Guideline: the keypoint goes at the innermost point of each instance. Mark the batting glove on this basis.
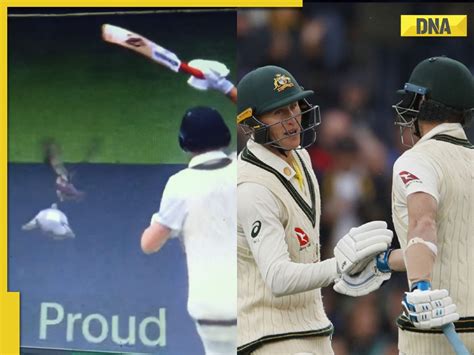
(375, 273)
(365, 282)
(356, 249)
(214, 76)
(428, 308)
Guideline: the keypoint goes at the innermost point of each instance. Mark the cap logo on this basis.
(282, 82)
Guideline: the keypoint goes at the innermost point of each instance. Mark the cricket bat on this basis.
(147, 48)
(458, 346)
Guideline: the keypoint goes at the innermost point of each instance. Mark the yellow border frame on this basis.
(151, 3)
(10, 301)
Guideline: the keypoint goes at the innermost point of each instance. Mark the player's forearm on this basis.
(420, 253)
(421, 249)
(423, 227)
(396, 261)
(154, 237)
(287, 278)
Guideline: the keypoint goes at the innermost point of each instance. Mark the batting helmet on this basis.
(203, 129)
(266, 89)
(439, 89)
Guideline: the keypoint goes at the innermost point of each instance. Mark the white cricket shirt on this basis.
(441, 164)
(279, 267)
(200, 205)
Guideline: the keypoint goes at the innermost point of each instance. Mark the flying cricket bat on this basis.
(139, 44)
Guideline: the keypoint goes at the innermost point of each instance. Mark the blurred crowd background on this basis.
(354, 59)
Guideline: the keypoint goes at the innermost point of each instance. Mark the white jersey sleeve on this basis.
(265, 235)
(414, 173)
(172, 211)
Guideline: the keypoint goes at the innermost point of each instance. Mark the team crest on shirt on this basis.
(302, 237)
(282, 82)
(408, 177)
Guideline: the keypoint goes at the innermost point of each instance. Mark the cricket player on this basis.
(433, 210)
(433, 206)
(280, 272)
(199, 205)
(51, 221)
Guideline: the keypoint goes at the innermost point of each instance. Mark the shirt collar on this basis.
(205, 157)
(271, 159)
(451, 129)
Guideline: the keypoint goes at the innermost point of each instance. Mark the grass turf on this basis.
(103, 103)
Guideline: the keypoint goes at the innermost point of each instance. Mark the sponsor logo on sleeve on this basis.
(256, 226)
(408, 177)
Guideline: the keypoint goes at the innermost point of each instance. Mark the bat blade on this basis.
(125, 38)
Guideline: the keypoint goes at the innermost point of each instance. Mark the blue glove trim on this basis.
(421, 285)
(382, 261)
(408, 309)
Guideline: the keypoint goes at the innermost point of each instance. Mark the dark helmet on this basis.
(439, 89)
(203, 129)
(266, 89)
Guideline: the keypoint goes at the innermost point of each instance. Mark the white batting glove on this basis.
(214, 76)
(428, 308)
(356, 248)
(375, 273)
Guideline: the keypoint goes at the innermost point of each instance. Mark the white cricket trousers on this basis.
(218, 339)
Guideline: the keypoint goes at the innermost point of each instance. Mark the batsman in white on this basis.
(199, 206)
(280, 272)
(51, 221)
(433, 205)
(433, 210)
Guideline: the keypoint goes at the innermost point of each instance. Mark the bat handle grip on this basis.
(458, 346)
(184, 67)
